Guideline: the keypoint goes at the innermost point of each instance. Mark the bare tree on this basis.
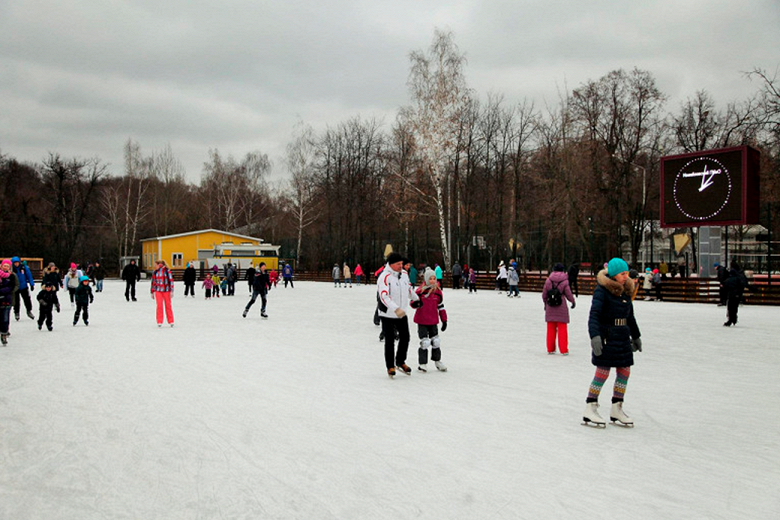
(301, 191)
(439, 95)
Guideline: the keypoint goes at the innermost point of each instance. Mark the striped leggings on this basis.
(602, 373)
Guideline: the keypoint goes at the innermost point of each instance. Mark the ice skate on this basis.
(391, 372)
(618, 417)
(40, 326)
(263, 315)
(246, 311)
(591, 417)
(405, 369)
(422, 368)
(16, 315)
(4, 338)
(441, 367)
(30, 315)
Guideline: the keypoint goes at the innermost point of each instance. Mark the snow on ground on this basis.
(294, 416)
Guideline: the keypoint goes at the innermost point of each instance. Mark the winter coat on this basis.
(249, 276)
(735, 284)
(432, 307)
(23, 274)
(52, 275)
(456, 270)
(131, 273)
(395, 291)
(287, 271)
(99, 272)
(612, 318)
(261, 282)
(647, 280)
(722, 273)
(190, 276)
(501, 273)
(273, 276)
(208, 283)
(358, 270)
(162, 280)
(413, 275)
(72, 278)
(472, 278)
(336, 273)
(559, 314)
(513, 277)
(438, 272)
(84, 294)
(47, 299)
(347, 272)
(8, 287)
(573, 273)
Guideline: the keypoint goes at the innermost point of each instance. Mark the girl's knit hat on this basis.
(6, 261)
(73, 266)
(616, 266)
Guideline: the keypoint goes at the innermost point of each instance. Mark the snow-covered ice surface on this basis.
(295, 417)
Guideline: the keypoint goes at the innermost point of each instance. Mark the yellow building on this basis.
(207, 248)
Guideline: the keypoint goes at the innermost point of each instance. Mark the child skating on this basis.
(430, 308)
(208, 285)
(83, 297)
(614, 337)
(47, 303)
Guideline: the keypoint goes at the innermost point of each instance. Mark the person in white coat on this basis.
(501, 278)
(395, 293)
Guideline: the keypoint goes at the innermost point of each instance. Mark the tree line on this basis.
(456, 176)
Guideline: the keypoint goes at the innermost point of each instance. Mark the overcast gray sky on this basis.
(80, 77)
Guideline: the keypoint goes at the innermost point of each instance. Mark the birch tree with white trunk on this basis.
(439, 96)
(301, 193)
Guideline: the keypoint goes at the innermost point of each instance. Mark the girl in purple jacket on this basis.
(557, 317)
(430, 307)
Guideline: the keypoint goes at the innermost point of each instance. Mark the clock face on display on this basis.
(703, 189)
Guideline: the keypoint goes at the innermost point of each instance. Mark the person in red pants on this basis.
(162, 292)
(556, 313)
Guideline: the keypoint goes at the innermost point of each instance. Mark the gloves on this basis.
(400, 312)
(443, 326)
(595, 344)
(152, 295)
(573, 304)
(416, 304)
(636, 345)
(58, 308)
(32, 288)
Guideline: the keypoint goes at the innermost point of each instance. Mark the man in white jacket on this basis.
(395, 292)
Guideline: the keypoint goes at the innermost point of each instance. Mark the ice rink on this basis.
(294, 417)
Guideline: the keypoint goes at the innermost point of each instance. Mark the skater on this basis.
(72, 281)
(47, 302)
(614, 337)
(456, 274)
(395, 292)
(514, 279)
(208, 284)
(472, 281)
(273, 277)
(336, 273)
(556, 312)
(189, 279)
(501, 277)
(249, 276)
(647, 282)
(358, 274)
(734, 286)
(130, 274)
(216, 281)
(231, 275)
(26, 284)
(52, 275)
(429, 309)
(162, 292)
(83, 298)
(439, 276)
(260, 286)
(8, 285)
(657, 285)
(347, 276)
(287, 274)
(573, 275)
(99, 274)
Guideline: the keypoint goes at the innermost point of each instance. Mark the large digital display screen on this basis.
(710, 188)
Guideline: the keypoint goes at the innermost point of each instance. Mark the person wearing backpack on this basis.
(556, 312)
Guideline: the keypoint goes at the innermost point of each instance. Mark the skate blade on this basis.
(399, 370)
(618, 422)
(591, 424)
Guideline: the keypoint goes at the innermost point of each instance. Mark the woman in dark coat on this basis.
(614, 337)
(190, 277)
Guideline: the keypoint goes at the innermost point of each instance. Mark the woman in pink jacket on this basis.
(162, 292)
(557, 316)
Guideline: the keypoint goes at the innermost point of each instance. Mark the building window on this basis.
(177, 260)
